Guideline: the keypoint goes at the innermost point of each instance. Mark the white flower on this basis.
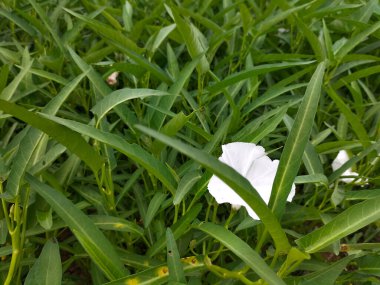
(251, 162)
(341, 159)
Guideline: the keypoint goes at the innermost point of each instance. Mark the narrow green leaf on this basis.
(194, 40)
(47, 270)
(31, 140)
(47, 24)
(178, 229)
(242, 250)
(153, 207)
(160, 274)
(313, 40)
(294, 148)
(161, 36)
(166, 102)
(185, 185)
(92, 239)
(311, 178)
(362, 194)
(133, 151)
(119, 96)
(49, 75)
(271, 21)
(354, 41)
(116, 224)
(267, 127)
(347, 222)
(124, 44)
(256, 70)
(365, 72)
(73, 141)
(310, 157)
(8, 91)
(107, 31)
(328, 275)
(233, 179)
(175, 266)
(19, 22)
(272, 93)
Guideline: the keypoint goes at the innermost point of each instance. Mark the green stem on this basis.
(15, 238)
(225, 273)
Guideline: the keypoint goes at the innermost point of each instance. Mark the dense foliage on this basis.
(112, 117)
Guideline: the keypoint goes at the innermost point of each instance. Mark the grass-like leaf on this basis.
(72, 140)
(91, 238)
(119, 96)
(175, 266)
(294, 148)
(260, 69)
(178, 229)
(242, 250)
(133, 151)
(47, 270)
(347, 222)
(160, 274)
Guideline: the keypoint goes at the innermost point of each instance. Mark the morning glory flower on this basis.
(250, 161)
(341, 159)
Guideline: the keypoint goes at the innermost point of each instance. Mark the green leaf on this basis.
(312, 178)
(33, 137)
(124, 44)
(256, 70)
(47, 24)
(185, 185)
(178, 229)
(47, 270)
(362, 194)
(356, 40)
(91, 238)
(19, 22)
(313, 40)
(242, 250)
(362, 73)
(294, 148)
(310, 157)
(153, 207)
(107, 32)
(175, 266)
(328, 275)
(233, 179)
(157, 118)
(119, 96)
(272, 20)
(369, 264)
(9, 91)
(194, 40)
(116, 224)
(347, 222)
(272, 93)
(72, 140)
(160, 274)
(133, 151)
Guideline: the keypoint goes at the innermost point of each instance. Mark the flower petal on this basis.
(250, 161)
(340, 159)
(240, 155)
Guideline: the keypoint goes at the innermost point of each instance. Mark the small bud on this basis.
(112, 79)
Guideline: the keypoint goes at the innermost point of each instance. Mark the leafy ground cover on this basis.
(112, 117)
